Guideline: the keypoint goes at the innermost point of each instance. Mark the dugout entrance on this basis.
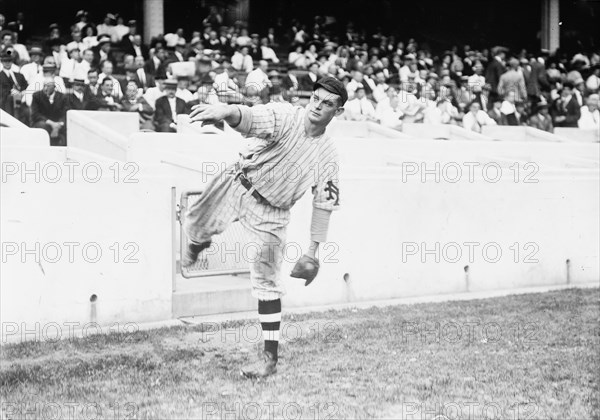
(219, 281)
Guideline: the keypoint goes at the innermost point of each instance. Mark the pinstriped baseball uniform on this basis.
(282, 165)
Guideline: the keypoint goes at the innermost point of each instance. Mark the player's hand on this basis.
(209, 114)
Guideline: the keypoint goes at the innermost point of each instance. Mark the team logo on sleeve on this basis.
(334, 192)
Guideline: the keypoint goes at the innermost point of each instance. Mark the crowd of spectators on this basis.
(110, 67)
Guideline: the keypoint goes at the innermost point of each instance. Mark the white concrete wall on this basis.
(7, 120)
(381, 211)
(559, 216)
(132, 284)
(577, 134)
(94, 132)
(441, 131)
(24, 136)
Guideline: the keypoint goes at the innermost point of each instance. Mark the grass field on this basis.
(527, 357)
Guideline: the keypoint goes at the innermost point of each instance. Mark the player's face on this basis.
(323, 107)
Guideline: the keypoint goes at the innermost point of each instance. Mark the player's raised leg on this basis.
(216, 209)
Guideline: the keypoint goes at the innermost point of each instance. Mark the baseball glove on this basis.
(306, 268)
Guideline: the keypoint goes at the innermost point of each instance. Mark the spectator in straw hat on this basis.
(37, 84)
(34, 68)
(78, 98)
(49, 111)
(541, 119)
(168, 107)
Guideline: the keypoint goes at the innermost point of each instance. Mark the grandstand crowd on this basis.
(109, 66)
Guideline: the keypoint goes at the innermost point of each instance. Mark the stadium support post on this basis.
(550, 25)
(154, 20)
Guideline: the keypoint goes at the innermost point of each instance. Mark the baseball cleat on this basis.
(261, 369)
(191, 254)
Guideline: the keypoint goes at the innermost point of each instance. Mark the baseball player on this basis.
(292, 153)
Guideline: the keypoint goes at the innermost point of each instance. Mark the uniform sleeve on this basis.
(269, 122)
(326, 191)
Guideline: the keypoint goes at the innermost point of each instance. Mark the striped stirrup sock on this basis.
(269, 315)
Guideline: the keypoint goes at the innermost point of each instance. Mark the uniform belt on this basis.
(248, 185)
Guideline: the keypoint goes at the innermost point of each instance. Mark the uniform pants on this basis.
(224, 201)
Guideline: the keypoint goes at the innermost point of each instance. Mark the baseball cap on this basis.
(332, 85)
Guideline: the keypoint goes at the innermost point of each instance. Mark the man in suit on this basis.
(107, 68)
(146, 80)
(132, 44)
(93, 87)
(154, 65)
(494, 70)
(168, 107)
(542, 119)
(130, 76)
(104, 100)
(80, 96)
(133, 102)
(49, 111)
(513, 80)
(566, 110)
(537, 82)
(307, 81)
(12, 85)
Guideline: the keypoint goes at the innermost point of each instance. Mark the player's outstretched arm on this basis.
(209, 114)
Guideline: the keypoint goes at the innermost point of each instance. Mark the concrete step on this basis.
(212, 295)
